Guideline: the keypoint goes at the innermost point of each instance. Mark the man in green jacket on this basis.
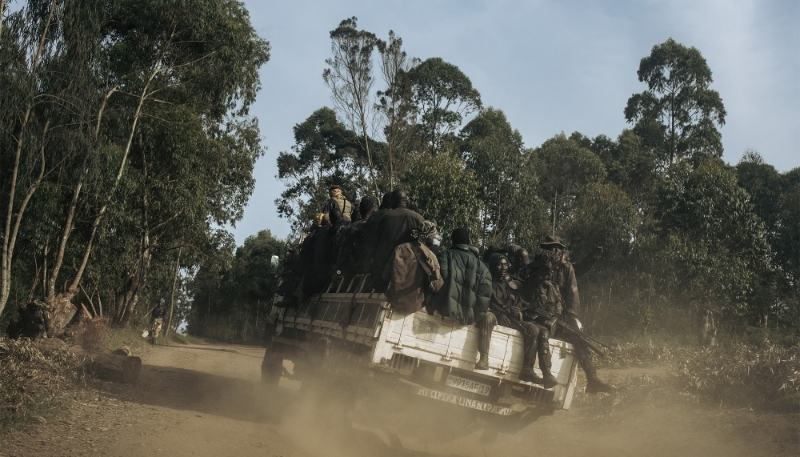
(466, 291)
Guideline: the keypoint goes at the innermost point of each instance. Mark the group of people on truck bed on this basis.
(402, 255)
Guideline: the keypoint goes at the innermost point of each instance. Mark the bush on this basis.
(765, 375)
(32, 383)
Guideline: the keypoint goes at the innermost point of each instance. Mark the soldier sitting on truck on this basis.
(552, 266)
(505, 309)
(350, 241)
(413, 272)
(371, 232)
(466, 291)
(393, 229)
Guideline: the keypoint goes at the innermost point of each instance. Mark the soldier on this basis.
(507, 303)
(350, 241)
(393, 229)
(371, 232)
(157, 321)
(552, 267)
(338, 199)
(466, 291)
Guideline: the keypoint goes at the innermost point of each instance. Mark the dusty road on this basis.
(206, 400)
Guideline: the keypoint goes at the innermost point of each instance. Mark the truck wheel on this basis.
(271, 367)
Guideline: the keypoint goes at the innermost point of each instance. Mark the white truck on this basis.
(354, 341)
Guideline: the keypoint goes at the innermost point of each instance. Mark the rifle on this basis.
(513, 321)
(548, 320)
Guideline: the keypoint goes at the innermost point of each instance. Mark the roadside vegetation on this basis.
(35, 385)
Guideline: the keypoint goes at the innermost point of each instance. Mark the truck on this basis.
(351, 342)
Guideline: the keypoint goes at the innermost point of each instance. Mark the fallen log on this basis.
(113, 367)
(118, 366)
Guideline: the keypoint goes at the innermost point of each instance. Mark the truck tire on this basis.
(271, 366)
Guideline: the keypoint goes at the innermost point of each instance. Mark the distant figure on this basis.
(338, 199)
(394, 228)
(466, 291)
(157, 321)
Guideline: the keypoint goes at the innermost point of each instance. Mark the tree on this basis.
(495, 153)
(443, 190)
(443, 95)
(113, 74)
(678, 115)
(564, 168)
(716, 242)
(325, 152)
(349, 76)
(395, 103)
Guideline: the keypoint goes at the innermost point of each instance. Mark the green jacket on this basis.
(467, 285)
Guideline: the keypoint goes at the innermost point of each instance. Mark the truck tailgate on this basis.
(445, 342)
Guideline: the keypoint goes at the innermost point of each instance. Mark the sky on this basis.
(551, 66)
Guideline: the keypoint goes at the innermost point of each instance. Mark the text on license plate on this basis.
(468, 385)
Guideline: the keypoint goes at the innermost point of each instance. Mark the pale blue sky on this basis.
(552, 66)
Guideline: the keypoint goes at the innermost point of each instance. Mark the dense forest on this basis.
(126, 143)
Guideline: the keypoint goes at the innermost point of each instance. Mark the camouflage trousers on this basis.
(486, 323)
(155, 332)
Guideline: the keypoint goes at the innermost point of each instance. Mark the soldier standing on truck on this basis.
(505, 299)
(553, 267)
(466, 291)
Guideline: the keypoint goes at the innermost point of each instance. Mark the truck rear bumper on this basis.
(501, 410)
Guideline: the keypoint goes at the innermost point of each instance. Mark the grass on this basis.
(753, 369)
(33, 384)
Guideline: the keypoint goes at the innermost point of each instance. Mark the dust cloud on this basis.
(336, 419)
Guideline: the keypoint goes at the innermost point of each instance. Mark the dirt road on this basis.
(206, 400)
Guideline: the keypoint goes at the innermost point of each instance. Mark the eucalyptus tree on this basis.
(508, 183)
(443, 96)
(443, 190)
(26, 50)
(564, 167)
(395, 103)
(325, 152)
(714, 240)
(125, 65)
(678, 115)
(349, 76)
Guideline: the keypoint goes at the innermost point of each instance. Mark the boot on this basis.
(527, 374)
(545, 361)
(549, 380)
(483, 363)
(593, 383)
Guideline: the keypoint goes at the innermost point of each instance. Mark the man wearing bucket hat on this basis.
(552, 267)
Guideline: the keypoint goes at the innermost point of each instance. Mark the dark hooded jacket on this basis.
(467, 285)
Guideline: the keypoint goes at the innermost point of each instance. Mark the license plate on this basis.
(468, 385)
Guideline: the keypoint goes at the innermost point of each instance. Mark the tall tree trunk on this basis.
(8, 248)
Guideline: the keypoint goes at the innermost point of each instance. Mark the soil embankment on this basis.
(206, 400)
